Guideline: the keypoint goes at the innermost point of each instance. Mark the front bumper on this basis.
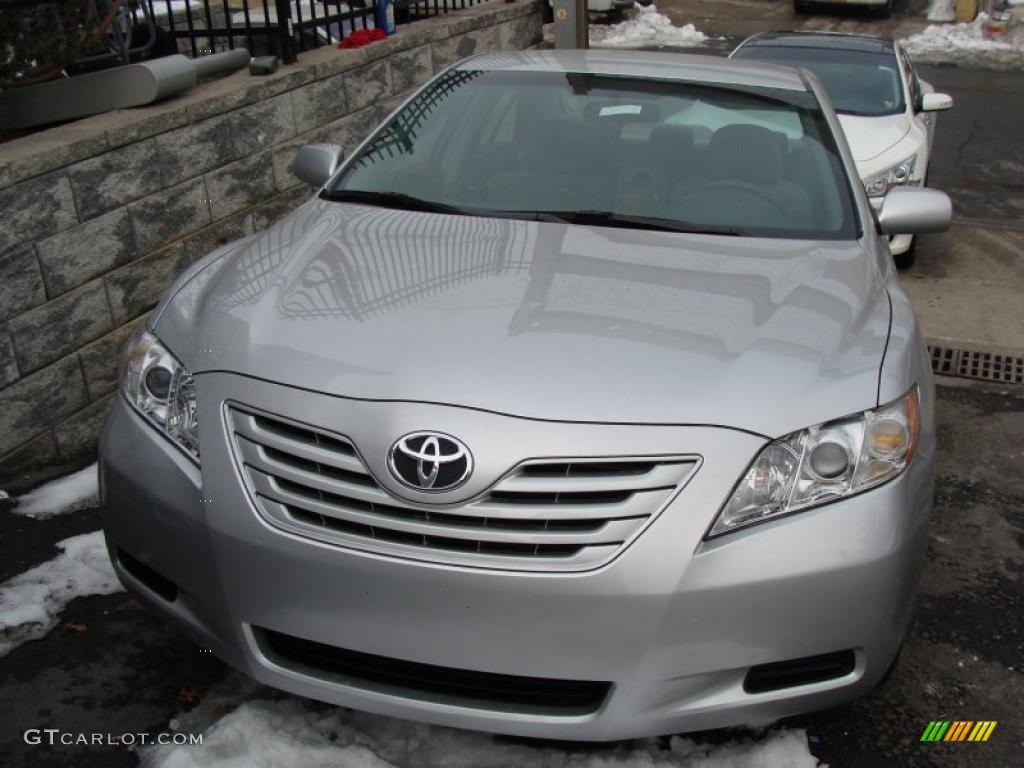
(673, 623)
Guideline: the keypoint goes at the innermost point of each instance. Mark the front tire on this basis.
(906, 259)
(802, 7)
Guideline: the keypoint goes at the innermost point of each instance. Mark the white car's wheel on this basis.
(906, 259)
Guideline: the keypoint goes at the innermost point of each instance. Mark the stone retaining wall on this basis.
(100, 215)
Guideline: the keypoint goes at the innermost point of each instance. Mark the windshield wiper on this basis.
(405, 202)
(398, 200)
(613, 219)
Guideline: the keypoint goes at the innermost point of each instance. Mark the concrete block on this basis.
(112, 179)
(101, 359)
(365, 85)
(35, 208)
(38, 401)
(240, 184)
(47, 333)
(79, 434)
(137, 287)
(21, 282)
(169, 214)
(77, 255)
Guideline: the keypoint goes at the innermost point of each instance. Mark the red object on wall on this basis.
(362, 37)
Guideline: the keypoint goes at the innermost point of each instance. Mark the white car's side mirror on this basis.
(915, 211)
(935, 102)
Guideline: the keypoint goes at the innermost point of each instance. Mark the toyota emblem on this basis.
(430, 461)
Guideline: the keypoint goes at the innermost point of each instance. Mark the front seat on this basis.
(746, 183)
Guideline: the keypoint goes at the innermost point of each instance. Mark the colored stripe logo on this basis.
(958, 730)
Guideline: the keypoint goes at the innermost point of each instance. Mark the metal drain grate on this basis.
(975, 364)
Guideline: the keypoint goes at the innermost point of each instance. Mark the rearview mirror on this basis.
(935, 102)
(915, 211)
(316, 163)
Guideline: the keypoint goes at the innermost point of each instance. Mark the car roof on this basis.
(650, 65)
(843, 41)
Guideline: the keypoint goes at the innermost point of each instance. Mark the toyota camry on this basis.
(580, 401)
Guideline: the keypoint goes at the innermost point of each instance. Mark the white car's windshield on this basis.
(601, 150)
(858, 82)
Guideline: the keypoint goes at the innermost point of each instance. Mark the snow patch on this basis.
(74, 491)
(646, 28)
(30, 602)
(967, 45)
(288, 731)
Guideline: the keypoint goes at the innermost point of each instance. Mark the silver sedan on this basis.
(581, 401)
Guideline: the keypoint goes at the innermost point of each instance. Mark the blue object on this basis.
(384, 19)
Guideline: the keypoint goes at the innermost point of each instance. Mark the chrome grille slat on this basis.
(247, 426)
(555, 514)
(661, 476)
(605, 532)
(585, 557)
(637, 504)
(256, 456)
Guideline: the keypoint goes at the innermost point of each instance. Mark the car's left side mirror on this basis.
(316, 163)
(915, 211)
(935, 102)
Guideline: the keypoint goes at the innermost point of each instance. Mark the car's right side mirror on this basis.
(915, 211)
(316, 163)
(935, 102)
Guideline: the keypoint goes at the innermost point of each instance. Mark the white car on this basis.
(886, 110)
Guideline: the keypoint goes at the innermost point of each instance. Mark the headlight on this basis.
(896, 176)
(824, 463)
(161, 389)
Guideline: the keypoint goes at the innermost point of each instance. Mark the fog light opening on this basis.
(790, 674)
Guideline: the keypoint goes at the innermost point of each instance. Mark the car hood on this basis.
(869, 137)
(541, 320)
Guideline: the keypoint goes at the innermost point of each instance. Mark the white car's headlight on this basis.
(895, 176)
(162, 390)
(824, 463)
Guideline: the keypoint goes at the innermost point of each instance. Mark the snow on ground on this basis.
(260, 731)
(30, 602)
(645, 28)
(966, 44)
(67, 494)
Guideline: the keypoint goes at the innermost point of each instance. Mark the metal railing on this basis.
(283, 28)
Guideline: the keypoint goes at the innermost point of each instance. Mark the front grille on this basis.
(545, 514)
(484, 690)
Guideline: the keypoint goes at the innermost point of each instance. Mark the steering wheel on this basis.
(739, 186)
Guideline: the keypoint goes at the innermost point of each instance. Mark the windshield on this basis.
(612, 151)
(857, 82)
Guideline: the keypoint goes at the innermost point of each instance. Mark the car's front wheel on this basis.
(906, 259)
(801, 6)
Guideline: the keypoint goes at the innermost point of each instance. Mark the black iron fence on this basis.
(280, 27)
